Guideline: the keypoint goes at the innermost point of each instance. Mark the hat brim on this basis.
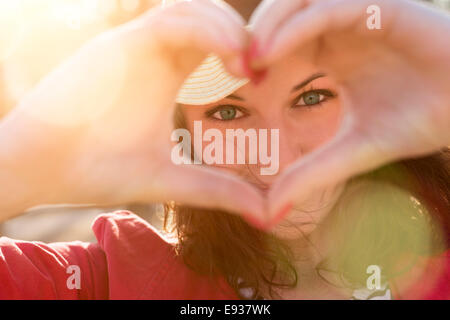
(209, 83)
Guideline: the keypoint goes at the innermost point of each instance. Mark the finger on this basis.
(348, 154)
(186, 7)
(317, 19)
(233, 63)
(225, 17)
(201, 24)
(184, 33)
(191, 30)
(210, 188)
(269, 16)
(229, 11)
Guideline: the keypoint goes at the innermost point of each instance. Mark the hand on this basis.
(394, 83)
(98, 128)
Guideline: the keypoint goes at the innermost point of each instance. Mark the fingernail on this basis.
(246, 66)
(259, 76)
(256, 76)
(281, 214)
(255, 53)
(257, 223)
(253, 49)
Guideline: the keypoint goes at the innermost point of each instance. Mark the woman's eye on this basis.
(313, 97)
(227, 113)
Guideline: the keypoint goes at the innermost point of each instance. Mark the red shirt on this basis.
(130, 261)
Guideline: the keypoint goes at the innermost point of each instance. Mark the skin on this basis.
(170, 43)
(106, 121)
(278, 103)
(275, 103)
(113, 77)
(386, 77)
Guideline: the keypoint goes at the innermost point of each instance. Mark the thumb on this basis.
(207, 187)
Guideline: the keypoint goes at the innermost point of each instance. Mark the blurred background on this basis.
(36, 36)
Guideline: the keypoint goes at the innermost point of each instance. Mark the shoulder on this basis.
(135, 252)
(132, 260)
(37, 270)
(125, 229)
(143, 263)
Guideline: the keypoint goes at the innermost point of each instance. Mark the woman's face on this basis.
(302, 103)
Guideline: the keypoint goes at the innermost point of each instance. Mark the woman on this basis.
(346, 100)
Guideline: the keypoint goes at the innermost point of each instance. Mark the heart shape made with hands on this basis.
(383, 77)
(384, 80)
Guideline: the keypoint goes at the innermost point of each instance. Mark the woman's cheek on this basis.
(233, 164)
(202, 133)
(318, 125)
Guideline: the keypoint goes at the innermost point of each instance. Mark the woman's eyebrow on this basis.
(308, 80)
(297, 87)
(235, 97)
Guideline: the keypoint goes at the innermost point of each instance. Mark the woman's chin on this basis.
(305, 218)
(292, 228)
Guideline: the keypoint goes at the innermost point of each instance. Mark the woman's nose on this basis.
(283, 147)
(289, 147)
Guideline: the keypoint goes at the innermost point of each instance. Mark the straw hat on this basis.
(209, 83)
